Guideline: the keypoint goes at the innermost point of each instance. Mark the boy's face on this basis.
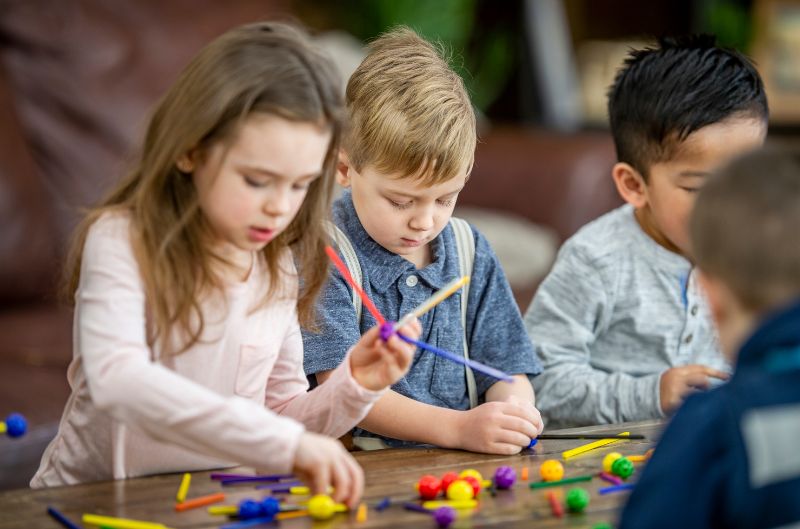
(664, 202)
(401, 214)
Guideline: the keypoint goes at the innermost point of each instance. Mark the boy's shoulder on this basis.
(607, 239)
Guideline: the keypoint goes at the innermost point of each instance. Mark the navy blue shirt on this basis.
(495, 332)
(731, 456)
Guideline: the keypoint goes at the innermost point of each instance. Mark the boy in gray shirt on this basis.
(620, 325)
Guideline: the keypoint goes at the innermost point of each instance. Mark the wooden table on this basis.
(391, 473)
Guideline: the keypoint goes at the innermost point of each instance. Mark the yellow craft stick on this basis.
(361, 514)
(184, 488)
(3, 427)
(637, 459)
(448, 290)
(224, 509)
(455, 504)
(120, 523)
(591, 446)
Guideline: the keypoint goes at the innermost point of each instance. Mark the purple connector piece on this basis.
(444, 516)
(387, 330)
(504, 477)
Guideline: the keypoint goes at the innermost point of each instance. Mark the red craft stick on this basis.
(346, 274)
(555, 505)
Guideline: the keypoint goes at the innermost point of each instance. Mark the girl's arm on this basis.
(331, 409)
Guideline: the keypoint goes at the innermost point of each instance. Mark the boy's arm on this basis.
(399, 417)
(679, 486)
(521, 389)
(570, 310)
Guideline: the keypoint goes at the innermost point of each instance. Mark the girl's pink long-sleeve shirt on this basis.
(239, 396)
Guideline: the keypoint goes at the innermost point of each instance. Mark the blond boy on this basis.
(406, 156)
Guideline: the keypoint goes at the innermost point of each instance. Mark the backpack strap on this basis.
(465, 242)
(350, 259)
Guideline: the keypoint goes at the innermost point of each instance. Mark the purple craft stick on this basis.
(614, 480)
(279, 486)
(273, 477)
(477, 366)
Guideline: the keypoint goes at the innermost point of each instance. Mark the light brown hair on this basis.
(745, 228)
(257, 68)
(409, 113)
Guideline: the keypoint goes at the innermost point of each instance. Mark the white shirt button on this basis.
(412, 281)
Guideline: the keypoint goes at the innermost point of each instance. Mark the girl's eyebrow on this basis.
(268, 172)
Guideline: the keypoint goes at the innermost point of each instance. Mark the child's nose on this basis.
(278, 203)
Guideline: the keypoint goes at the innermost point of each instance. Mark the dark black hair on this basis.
(662, 94)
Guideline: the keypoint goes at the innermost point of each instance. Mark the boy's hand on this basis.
(678, 382)
(498, 427)
(376, 364)
(322, 461)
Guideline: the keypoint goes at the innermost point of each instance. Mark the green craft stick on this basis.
(576, 479)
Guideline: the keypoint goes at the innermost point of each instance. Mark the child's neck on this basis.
(645, 219)
(422, 257)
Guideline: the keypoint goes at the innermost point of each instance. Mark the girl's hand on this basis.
(321, 462)
(376, 364)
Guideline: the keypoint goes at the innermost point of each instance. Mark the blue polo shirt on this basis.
(495, 331)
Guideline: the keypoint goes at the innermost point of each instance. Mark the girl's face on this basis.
(250, 188)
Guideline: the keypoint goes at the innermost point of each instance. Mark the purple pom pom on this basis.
(504, 477)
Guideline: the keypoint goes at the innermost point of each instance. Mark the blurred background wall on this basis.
(78, 77)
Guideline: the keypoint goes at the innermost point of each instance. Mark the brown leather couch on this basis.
(77, 78)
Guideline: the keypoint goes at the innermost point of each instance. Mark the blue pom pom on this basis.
(16, 425)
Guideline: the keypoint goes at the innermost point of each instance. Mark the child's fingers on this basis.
(523, 412)
(715, 373)
(412, 329)
(356, 480)
(340, 477)
(321, 479)
(520, 425)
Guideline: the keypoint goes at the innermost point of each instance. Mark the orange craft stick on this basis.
(200, 501)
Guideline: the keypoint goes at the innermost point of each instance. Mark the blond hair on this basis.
(744, 228)
(257, 68)
(409, 113)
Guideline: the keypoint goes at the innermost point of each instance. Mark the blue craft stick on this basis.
(477, 366)
(63, 520)
(414, 507)
(383, 504)
(249, 523)
(616, 488)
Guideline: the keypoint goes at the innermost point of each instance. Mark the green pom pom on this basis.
(577, 499)
(622, 467)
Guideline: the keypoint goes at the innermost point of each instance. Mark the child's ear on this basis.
(630, 184)
(343, 169)
(185, 164)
